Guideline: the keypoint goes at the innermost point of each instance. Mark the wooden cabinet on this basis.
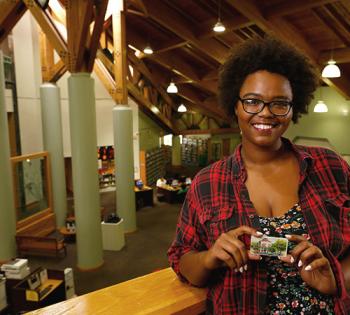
(23, 298)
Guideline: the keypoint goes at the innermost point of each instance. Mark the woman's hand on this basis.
(229, 250)
(314, 268)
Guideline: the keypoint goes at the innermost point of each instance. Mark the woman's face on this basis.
(264, 128)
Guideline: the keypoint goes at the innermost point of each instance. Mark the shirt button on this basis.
(251, 216)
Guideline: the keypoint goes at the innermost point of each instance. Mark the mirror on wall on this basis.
(32, 184)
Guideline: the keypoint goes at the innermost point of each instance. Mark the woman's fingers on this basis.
(232, 251)
(320, 263)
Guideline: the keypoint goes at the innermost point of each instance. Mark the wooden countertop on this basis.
(159, 292)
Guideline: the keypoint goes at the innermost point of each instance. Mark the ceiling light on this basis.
(172, 88)
(320, 107)
(219, 27)
(42, 3)
(331, 70)
(148, 50)
(182, 108)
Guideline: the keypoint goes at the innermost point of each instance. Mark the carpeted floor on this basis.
(145, 249)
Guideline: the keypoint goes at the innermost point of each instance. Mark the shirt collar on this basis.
(305, 160)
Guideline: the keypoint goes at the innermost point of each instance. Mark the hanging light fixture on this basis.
(182, 108)
(331, 70)
(219, 27)
(148, 50)
(320, 106)
(172, 88)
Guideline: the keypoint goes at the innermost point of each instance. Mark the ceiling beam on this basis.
(100, 11)
(234, 23)
(141, 67)
(341, 55)
(49, 29)
(78, 18)
(174, 22)
(288, 7)
(135, 92)
(11, 13)
(207, 109)
(287, 32)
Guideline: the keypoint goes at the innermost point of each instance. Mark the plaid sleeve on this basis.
(188, 233)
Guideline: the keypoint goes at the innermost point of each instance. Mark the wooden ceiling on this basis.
(189, 52)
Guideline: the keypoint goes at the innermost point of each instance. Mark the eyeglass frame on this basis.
(265, 103)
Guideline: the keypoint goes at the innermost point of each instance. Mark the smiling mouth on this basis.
(263, 126)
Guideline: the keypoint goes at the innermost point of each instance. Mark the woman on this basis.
(268, 187)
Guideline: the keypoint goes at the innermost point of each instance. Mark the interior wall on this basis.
(28, 79)
(149, 131)
(334, 125)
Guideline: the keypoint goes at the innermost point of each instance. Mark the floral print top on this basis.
(287, 292)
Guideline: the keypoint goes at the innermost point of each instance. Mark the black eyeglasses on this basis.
(255, 106)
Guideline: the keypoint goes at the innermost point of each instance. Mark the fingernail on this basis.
(259, 233)
(241, 269)
(291, 259)
(300, 263)
(308, 268)
(245, 267)
(288, 236)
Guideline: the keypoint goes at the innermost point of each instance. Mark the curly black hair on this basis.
(272, 55)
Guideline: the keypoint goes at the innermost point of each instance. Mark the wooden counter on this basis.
(156, 293)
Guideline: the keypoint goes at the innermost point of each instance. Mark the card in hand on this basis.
(268, 246)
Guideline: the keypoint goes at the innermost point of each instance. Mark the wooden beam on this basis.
(203, 107)
(174, 22)
(140, 65)
(101, 8)
(58, 70)
(46, 57)
(49, 29)
(287, 7)
(140, 4)
(105, 76)
(341, 55)
(11, 13)
(287, 32)
(119, 43)
(78, 18)
(234, 23)
(133, 90)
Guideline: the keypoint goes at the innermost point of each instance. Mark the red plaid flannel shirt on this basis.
(218, 201)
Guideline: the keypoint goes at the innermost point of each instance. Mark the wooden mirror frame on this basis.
(46, 182)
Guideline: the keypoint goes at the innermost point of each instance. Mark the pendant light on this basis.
(182, 108)
(172, 88)
(148, 50)
(331, 70)
(320, 106)
(219, 27)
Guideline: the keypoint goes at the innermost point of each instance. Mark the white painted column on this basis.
(82, 112)
(53, 143)
(124, 162)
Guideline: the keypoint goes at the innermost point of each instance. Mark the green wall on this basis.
(334, 125)
(149, 133)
